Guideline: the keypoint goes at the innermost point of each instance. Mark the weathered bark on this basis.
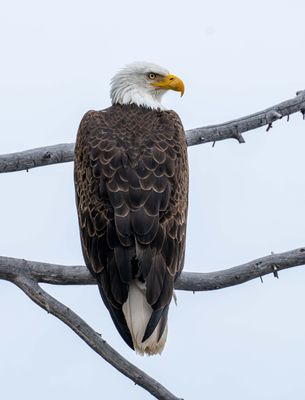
(27, 274)
(11, 268)
(62, 153)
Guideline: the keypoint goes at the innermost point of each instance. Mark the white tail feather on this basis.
(137, 314)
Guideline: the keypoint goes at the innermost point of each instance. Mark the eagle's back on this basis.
(131, 180)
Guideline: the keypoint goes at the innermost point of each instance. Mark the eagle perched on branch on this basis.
(131, 182)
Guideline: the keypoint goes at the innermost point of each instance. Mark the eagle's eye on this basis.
(152, 76)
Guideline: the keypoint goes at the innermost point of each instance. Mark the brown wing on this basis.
(131, 180)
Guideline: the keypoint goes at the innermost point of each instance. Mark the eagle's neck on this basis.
(133, 94)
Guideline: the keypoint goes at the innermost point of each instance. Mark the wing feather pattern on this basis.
(131, 181)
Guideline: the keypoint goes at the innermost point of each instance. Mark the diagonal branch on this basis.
(31, 288)
(234, 129)
(62, 153)
(27, 274)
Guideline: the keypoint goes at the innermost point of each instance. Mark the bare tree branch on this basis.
(30, 287)
(234, 129)
(12, 268)
(62, 153)
(27, 274)
(196, 281)
(28, 159)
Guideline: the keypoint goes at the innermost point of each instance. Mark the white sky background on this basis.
(235, 57)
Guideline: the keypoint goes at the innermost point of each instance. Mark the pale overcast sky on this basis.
(235, 57)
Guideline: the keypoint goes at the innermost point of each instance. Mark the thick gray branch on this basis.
(234, 129)
(196, 281)
(25, 160)
(61, 153)
(27, 274)
(11, 268)
(30, 287)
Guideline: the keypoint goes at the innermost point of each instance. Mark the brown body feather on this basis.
(131, 181)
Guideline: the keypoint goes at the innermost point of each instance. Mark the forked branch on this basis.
(27, 274)
(30, 287)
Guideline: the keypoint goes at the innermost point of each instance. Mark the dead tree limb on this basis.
(29, 285)
(234, 129)
(62, 153)
(28, 274)
(12, 268)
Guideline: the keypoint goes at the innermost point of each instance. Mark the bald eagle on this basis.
(131, 183)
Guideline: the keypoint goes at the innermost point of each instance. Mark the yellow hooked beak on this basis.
(171, 82)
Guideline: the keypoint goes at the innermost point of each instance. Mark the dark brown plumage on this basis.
(131, 181)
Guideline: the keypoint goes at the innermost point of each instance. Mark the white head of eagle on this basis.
(131, 183)
(143, 84)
